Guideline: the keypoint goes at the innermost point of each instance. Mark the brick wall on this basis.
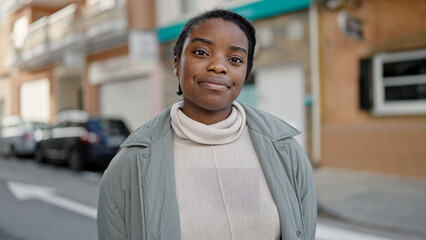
(354, 138)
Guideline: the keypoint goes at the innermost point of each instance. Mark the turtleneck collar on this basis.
(223, 132)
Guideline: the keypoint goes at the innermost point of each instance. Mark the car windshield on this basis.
(35, 125)
(107, 127)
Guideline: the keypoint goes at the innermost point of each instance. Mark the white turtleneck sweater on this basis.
(221, 190)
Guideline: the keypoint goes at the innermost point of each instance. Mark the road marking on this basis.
(23, 192)
(326, 232)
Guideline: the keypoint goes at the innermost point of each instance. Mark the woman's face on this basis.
(213, 65)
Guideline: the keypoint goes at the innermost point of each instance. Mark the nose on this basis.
(217, 65)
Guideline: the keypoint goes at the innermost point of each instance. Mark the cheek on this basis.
(189, 70)
(185, 73)
(241, 77)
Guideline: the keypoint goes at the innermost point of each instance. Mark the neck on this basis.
(206, 116)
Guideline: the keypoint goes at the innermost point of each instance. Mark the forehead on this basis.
(220, 29)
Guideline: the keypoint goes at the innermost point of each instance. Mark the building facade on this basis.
(115, 58)
(349, 74)
(5, 103)
(373, 86)
(121, 76)
(76, 54)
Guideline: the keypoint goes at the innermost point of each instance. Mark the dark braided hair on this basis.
(226, 15)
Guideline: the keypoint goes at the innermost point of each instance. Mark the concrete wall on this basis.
(5, 102)
(354, 138)
(91, 92)
(17, 80)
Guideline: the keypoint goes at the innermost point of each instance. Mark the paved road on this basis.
(45, 202)
(42, 202)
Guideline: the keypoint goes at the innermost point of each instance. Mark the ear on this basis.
(176, 66)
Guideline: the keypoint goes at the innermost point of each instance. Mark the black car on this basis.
(81, 141)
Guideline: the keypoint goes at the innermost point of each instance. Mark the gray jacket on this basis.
(138, 195)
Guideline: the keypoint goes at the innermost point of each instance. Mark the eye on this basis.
(236, 60)
(200, 53)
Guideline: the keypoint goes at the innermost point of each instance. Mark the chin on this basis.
(215, 106)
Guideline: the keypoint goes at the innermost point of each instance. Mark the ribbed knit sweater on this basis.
(221, 190)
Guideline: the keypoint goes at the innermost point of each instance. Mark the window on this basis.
(62, 124)
(399, 83)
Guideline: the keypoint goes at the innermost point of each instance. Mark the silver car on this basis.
(17, 136)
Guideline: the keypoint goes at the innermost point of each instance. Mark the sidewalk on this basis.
(371, 199)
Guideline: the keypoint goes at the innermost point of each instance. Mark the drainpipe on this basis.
(315, 82)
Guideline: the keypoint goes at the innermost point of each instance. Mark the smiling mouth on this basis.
(215, 84)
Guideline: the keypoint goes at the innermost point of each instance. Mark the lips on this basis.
(216, 84)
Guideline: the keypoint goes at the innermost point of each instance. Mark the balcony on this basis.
(36, 44)
(49, 39)
(65, 29)
(105, 20)
(73, 29)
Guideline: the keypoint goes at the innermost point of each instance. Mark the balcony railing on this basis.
(105, 17)
(49, 37)
(101, 22)
(65, 28)
(36, 43)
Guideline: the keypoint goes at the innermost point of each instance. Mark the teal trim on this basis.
(248, 94)
(269, 8)
(169, 33)
(253, 11)
(309, 101)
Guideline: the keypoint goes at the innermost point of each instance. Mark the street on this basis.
(43, 202)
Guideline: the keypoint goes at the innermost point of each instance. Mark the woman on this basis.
(209, 167)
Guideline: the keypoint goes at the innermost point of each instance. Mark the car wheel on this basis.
(38, 155)
(75, 161)
(12, 151)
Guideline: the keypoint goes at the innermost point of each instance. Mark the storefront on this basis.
(124, 89)
(34, 100)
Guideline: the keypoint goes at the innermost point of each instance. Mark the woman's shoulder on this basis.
(149, 132)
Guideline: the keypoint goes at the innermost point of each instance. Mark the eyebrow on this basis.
(198, 39)
(235, 48)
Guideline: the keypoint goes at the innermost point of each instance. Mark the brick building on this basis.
(373, 86)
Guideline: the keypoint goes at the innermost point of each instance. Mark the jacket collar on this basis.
(151, 131)
(257, 120)
(267, 124)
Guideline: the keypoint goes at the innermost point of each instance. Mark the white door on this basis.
(34, 100)
(129, 100)
(280, 91)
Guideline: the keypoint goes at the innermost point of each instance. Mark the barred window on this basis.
(399, 83)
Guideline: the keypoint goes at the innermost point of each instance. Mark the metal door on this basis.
(281, 91)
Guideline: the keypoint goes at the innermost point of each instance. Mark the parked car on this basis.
(17, 136)
(80, 140)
